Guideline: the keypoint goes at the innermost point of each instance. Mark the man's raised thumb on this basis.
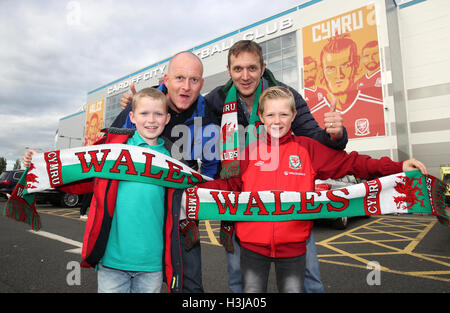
(333, 105)
(133, 89)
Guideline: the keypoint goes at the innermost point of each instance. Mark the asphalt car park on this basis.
(380, 254)
(410, 253)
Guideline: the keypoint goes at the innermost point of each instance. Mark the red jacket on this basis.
(299, 161)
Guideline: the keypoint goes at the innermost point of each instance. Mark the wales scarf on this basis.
(58, 168)
(409, 192)
(229, 131)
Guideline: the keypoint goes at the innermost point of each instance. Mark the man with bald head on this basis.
(184, 80)
(191, 130)
(182, 85)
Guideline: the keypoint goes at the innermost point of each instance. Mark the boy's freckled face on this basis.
(150, 117)
(277, 117)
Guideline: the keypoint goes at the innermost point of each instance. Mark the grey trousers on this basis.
(290, 272)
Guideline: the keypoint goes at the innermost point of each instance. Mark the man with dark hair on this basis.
(249, 77)
(247, 70)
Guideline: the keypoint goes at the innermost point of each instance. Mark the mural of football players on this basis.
(370, 82)
(363, 114)
(314, 95)
(93, 130)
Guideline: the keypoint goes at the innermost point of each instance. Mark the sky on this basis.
(53, 52)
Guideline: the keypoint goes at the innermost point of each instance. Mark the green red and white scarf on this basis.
(229, 131)
(409, 192)
(55, 169)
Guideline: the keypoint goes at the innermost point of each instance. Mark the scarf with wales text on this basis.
(58, 168)
(409, 192)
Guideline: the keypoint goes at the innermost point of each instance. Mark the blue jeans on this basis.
(234, 267)
(313, 282)
(111, 280)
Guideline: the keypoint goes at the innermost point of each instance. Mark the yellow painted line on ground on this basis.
(353, 256)
(66, 213)
(430, 272)
(378, 243)
(436, 256)
(417, 228)
(421, 256)
(211, 235)
(343, 233)
(419, 238)
(367, 241)
(396, 234)
(343, 264)
(71, 213)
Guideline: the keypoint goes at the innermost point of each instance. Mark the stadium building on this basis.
(389, 78)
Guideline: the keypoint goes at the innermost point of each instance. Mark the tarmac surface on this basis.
(383, 254)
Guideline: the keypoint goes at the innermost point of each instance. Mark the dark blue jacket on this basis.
(197, 141)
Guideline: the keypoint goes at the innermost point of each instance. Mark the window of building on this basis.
(280, 55)
(112, 109)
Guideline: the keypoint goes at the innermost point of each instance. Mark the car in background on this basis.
(58, 198)
(322, 185)
(8, 181)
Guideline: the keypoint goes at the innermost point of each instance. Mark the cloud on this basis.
(54, 52)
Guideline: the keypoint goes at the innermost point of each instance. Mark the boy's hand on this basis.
(413, 164)
(127, 97)
(334, 122)
(26, 160)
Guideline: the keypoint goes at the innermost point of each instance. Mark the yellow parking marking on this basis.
(356, 257)
(71, 213)
(436, 256)
(212, 229)
(211, 235)
(427, 273)
(421, 235)
(392, 230)
(66, 213)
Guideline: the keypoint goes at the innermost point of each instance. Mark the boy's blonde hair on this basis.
(153, 93)
(276, 92)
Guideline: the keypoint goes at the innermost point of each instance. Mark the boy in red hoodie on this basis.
(298, 162)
